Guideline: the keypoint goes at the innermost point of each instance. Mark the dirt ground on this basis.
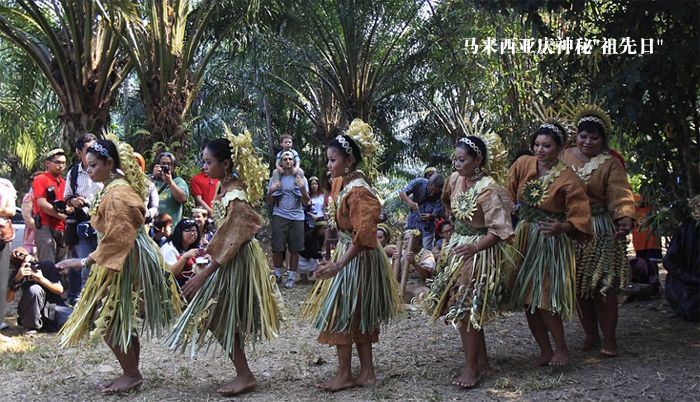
(415, 360)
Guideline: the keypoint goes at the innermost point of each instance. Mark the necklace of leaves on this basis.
(464, 204)
(535, 191)
(589, 167)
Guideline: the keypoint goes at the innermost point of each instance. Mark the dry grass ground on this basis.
(415, 360)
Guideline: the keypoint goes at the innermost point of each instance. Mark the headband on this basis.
(472, 145)
(591, 118)
(555, 129)
(101, 150)
(345, 144)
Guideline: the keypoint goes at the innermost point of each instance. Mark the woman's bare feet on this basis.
(239, 385)
(590, 343)
(609, 348)
(560, 358)
(544, 359)
(468, 379)
(337, 383)
(365, 379)
(122, 384)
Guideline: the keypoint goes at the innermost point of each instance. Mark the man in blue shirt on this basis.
(288, 196)
(425, 205)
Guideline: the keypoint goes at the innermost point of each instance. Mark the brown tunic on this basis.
(120, 215)
(566, 195)
(240, 225)
(607, 185)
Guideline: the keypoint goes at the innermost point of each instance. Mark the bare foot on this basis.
(590, 343)
(468, 379)
(366, 379)
(486, 370)
(109, 383)
(337, 383)
(560, 358)
(544, 359)
(239, 385)
(123, 384)
(609, 348)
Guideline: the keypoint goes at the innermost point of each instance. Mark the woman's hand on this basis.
(410, 256)
(192, 253)
(326, 269)
(71, 263)
(552, 227)
(624, 226)
(466, 251)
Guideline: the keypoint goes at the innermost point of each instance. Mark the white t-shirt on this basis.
(317, 206)
(170, 253)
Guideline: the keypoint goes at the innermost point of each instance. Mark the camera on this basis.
(201, 260)
(165, 169)
(59, 205)
(34, 266)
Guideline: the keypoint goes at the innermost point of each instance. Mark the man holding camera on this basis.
(79, 194)
(40, 307)
(49, 208)
(172, 190)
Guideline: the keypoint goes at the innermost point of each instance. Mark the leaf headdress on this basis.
(247, 163)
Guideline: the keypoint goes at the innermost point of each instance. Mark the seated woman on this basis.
(443, 233)
(162, 228)
(384, 237)
(421, 265)
(204, 225)
(181, 250)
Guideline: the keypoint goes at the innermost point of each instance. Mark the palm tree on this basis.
(76, 51)
(170, 43)
(353, 56)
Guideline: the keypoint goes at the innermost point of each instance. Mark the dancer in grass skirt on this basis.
(470, 289)
(357, 291)
(235, 299)
(553, 211)
(602, 268)
(130, 286)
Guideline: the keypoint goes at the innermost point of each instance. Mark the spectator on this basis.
(80, 193)
(318, 198)
(49, 208)
(286, 143)
(288, 195)
(181, 250)
(421, 261)
(28, 216)
(41, 306)
(425, 205)
(8, 196)
(205, 225)
(152, 201)
(444, 232)
(203, 189)
(384, 237)
(162, 228)
(172, 190)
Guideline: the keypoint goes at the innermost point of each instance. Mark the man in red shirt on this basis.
(48, 188)
(203, 188)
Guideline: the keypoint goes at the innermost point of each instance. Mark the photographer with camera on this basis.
(182, 252)
(172, 190)
(50, 211)
(40, 307)
(79, 193)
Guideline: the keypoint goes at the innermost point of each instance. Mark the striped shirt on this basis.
(86, 188)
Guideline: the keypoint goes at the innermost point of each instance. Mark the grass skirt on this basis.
(240, 298)
(362, 296)
(546, 272)
(142, 295)
(601, 263)
(475, 289)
